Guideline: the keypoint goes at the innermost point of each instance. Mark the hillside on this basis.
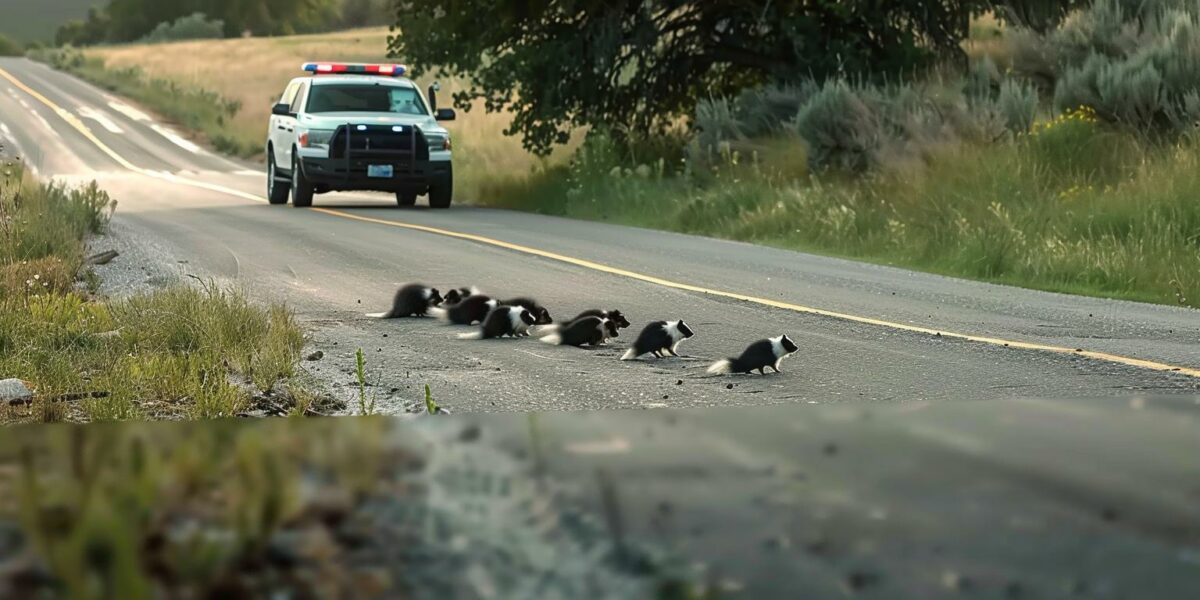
(28, 21)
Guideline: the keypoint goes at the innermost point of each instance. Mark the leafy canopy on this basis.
(640, 64)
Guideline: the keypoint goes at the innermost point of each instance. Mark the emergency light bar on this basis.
(354, 69)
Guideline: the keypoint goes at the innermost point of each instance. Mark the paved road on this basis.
(326, 263)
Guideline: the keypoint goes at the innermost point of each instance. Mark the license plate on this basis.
(379, 170)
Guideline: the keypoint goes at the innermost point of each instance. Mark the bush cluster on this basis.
(195, 26)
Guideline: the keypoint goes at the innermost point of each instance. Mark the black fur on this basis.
(539, 312)
(472, 309)
(456, 295)
(588, 330)
(411, 300)
(655, 338)
(498, 323)
(611, 329)
(756, 357)
(615, 316)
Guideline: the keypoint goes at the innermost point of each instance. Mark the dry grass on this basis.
(254, 71)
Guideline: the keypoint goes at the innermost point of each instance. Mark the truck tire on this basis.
(406, 198)
(277, 191)
(302, 190)
(441, 194)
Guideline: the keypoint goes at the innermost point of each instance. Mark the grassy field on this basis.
(180, 352)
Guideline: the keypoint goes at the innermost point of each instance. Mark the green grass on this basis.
(192, 509)
(1073, 207)
(180, 352)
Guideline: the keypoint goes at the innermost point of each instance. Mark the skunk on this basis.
(588, 330)
(758, 356)
(659, 337)
(411, 300)
(512, 321)
(472, 309)
(613, 315)
(539, 312)
(456, 295)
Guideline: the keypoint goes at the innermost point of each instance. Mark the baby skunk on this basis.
(539, 312)
(758, 356)
(612, 315)
(659, 337)
(472, 310)
(456, 295)
(588, 330)
(411, 300)
(512, 321)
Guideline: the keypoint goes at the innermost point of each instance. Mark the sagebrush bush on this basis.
(195, 26)
(1018, 103)
(841, 130)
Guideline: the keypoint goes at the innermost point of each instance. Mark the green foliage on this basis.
(129, 20)
(8, 47)
(195, 26)
(366, 405)
(637, 66)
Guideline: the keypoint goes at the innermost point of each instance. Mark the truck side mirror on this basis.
(433, 90)
(444, 114)
(283, 109)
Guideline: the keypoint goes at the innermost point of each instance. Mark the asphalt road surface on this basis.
(893, 337)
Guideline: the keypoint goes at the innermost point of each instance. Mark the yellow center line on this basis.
(595, 266)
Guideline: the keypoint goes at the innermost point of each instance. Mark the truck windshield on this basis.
(328, 98)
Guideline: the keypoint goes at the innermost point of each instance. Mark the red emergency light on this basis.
(354, 69)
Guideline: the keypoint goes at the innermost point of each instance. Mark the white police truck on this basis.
(364, 127)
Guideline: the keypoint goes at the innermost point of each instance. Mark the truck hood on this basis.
(331, 121)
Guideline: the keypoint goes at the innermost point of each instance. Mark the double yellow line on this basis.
(76, 123)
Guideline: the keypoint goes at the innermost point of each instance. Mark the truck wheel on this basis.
(440, 195)
(406, 198)
(277, 191)
(302, 190)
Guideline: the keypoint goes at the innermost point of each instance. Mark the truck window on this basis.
(329, 98)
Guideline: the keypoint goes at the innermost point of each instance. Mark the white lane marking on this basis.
(88, 112)
(129, 111)
(176, 139)
(247, 173)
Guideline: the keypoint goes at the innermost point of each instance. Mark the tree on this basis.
(640, 64)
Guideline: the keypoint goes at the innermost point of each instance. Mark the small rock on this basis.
(665, 396)
(1109, 514)
(729, 386)
(385, 335)
(14, 390)
(318, 355)
(830, 449)
(679, 382)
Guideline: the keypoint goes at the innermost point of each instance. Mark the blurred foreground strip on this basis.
(1023, 498)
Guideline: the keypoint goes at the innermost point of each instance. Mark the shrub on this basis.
(9, 47)
(1018, 104)
(840, 129)
(195, 26)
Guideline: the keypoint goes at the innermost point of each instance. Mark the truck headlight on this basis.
(438, 142)
(315, 138)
